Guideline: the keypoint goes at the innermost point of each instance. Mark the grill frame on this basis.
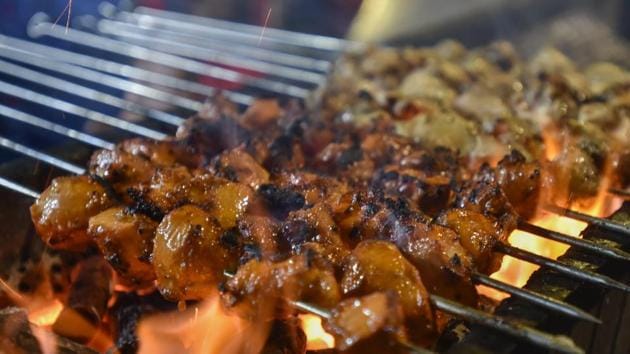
(38, 180)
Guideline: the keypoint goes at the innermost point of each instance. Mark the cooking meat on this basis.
(478, 234)
(62, 212)
(379, 266)
(190, 254)
(125, 238)
(260, 286)
(373, 323)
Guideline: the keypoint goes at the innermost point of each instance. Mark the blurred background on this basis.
(586, 30)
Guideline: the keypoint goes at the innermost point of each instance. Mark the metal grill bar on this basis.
(46, 28)
(86, 92)
(118, 69)
(79, 111)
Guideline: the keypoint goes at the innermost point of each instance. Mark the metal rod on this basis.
(86, 92)
(25, 150)
(79, 111)
(243, 32)
(53, 127)
(574, 241)
(554, 342)
(18, 188)
(619, 192)
(38, 26)
(244, 50)
(536, 298)
(599, 222)
(559, 343)
(23, 48)
(585, 275)
(132, 35)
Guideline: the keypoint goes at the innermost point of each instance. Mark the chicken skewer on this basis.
(553, 342)
(151, 158)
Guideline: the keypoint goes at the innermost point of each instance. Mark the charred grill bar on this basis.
(527, 297)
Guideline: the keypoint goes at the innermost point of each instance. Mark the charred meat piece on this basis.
(521, 182)
(189, 256)
(478, 234)
(379, 266)
(62, 212)
(368, 324)
(259, 287)
(442, 261)
(125, 238)
(238, 166)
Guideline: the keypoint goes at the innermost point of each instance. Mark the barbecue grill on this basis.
(152, 56)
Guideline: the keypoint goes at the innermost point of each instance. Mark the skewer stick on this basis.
(574, 241)
(619, 192)
(554, 342)
(585, 275)
(536, 298)
(605, 224)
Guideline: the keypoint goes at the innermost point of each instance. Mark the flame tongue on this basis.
(206, 328)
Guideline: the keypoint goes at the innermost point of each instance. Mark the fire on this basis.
(317, 338)
(203, 328)
(517, 272)
(45, 315)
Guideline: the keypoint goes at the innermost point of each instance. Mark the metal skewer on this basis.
(86, 92)
(585, 275)
(132, 35)
(560, 343)
(79, 111)
(249, 51)
(26, 50)
(574, 241)
(536, 298)
(40, 26)
(592, 220)
(619, 192)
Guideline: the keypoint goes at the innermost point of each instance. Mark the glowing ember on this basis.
(206, 328)
(45, 315)
(316, 337)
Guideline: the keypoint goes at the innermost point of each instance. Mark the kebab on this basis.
(227, 197)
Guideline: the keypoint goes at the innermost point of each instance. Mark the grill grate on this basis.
(158, 56)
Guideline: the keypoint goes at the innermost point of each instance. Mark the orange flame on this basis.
(316, 337)
(45, 315)
(206, 328)
(517, 272)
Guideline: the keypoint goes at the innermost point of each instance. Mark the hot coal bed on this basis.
(22, 250)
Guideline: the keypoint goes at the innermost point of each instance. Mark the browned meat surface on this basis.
(260, 286)
(379, 266)
(125, 238)
(190, 254)
(367, 324)
(62, 212)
